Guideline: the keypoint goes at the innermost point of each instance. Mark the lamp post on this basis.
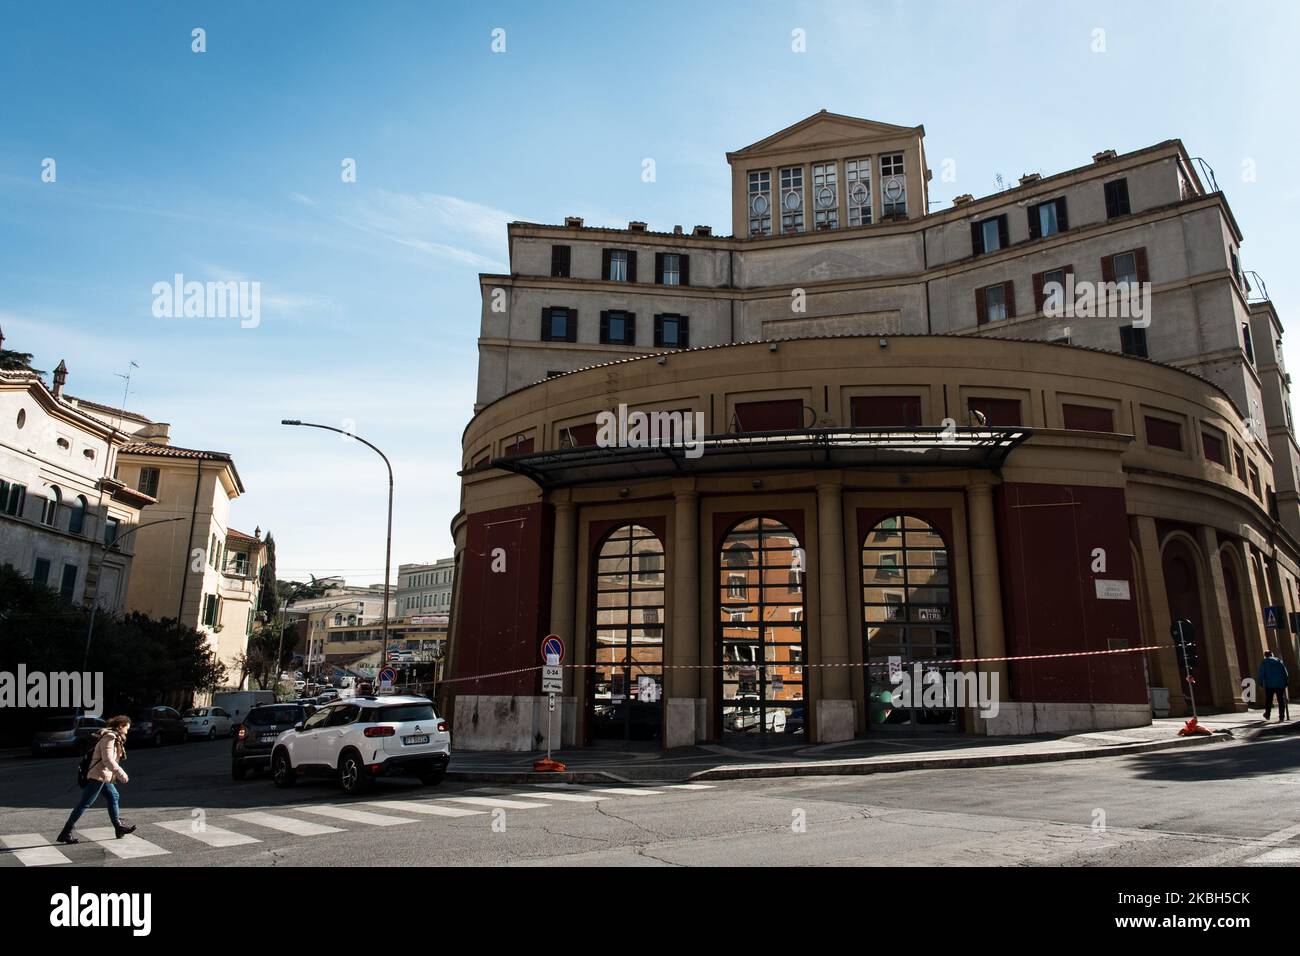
(324, 612)
(112, 546)
(388, 545)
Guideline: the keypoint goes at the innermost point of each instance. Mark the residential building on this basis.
(425, 589)
(1028, 430)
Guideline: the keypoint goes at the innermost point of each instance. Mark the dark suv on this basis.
(255, 737)
(156, 725)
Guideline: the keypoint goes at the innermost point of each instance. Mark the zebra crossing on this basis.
(241, 829)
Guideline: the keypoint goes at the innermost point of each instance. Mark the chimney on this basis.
(573, 222)
(636, 226)
(963, 199)
(2, 338)
(60, 378)
(702, 231)
(677, 230)
(1103, 156)
(1028, 178)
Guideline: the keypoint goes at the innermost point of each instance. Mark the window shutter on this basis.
(1062, 220)
(659, 268)
(1004, 239)
(1039, 298)
(1140, 257)
(1009, 294)
(604, 263)
(1108, 269)
(659, 330)
(683, 331)
(604, 325)
(571, 329)
(1033, 223)
(546, 324)
(631, 265)
(976, 239)
(684, 269)
(629, 328)
(981, 308)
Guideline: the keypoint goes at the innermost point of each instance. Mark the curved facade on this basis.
(859, 503)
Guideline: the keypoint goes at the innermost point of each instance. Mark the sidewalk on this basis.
(880, 754)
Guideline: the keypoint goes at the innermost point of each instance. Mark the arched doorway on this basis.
(625, 693)
(761, 642)
(1233, 592)
(906, 618)
(1182, 586)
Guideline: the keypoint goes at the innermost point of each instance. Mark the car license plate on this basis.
(416, 739)
(266, 739)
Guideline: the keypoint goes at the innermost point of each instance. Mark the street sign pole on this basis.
(1187, 671)
(552, 683)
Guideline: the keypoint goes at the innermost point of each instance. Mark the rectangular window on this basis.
(1239, 460)
(779, 415)
(792, 199)
(1254, 482)
(1000, 412)
(559, 325)
(826, 196)
(1214, 449)
(618, 265)
(12, 498)
(1133, 341)
(886, 411)
(672, 268)
(989, 235)
(1052, 283)
(995, 302)
(1125, 265)
(1117, 198)
(41, 573)
(68, 586)
(209, 610)
(560, 262)
(148, 483)
(1087, 418)
(857, 182)
(1247, 345)
(1163, 433)
(893, 188)
(672, 331)
(618, 328)
(1048, 219)
(110, 530)
(760, 202)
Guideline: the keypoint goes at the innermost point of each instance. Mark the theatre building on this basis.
(917, 445)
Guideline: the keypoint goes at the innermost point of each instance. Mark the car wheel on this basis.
(157, 739)
(282, 770)
(212, 734)
(434, 778)
(237, 770)
(352, 774)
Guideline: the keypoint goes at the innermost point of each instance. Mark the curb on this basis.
(851, 767)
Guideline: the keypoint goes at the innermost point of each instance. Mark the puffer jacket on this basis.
(104, 766)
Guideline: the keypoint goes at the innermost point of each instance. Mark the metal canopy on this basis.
(968, 447)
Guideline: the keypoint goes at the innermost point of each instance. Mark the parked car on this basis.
(363, 738)
(156, 725)
(326, 696)
(209, 722)
(72, 733)
(255, 738)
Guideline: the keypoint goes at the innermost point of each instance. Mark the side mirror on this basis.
(297, 728)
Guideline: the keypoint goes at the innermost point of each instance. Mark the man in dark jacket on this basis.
(1273, 678)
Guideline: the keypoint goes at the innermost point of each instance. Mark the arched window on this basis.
(760, 628)
(78, 520)
(906, 618)
(50, 513)
(625, 696)
(338, 620)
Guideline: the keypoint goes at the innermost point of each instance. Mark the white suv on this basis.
(362, 738)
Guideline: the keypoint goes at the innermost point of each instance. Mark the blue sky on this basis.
(226, 164)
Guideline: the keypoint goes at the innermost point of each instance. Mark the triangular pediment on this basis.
(824, 129)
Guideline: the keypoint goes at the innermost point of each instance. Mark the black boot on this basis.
(122, 828)
(67, 836)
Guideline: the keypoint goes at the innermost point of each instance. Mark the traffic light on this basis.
(1184, 635)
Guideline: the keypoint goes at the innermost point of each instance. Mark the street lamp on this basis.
(112, 546)
(388, 546)
(324, 612)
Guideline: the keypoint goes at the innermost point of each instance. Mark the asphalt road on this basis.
(1224, 805)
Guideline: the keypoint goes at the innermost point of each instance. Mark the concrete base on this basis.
(834, 721)
(685, 721)
(484, 722)
(1019, 718)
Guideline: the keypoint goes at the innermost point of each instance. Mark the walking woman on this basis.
(105, 770)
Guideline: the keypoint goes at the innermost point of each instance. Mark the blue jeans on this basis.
(88, 796)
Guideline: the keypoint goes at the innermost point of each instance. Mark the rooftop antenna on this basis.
(126, 389)
(1002, 186)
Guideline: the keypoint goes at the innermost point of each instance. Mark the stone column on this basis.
(1224, 673)
(682, 726)
(1257, 636)
(834, 707)
(564, 578)
(1162, 664)
(990, 633)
